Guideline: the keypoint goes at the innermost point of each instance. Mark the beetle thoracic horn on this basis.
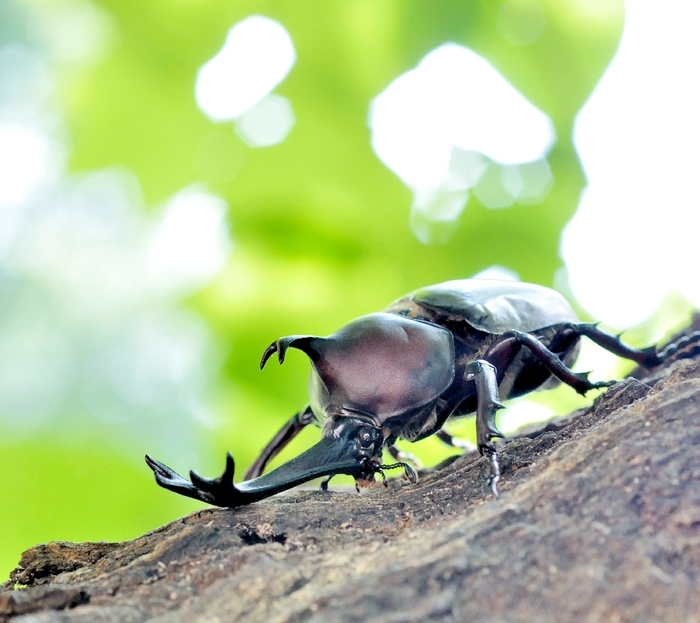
(301, 342)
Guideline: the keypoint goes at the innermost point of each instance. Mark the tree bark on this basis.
(598, 520)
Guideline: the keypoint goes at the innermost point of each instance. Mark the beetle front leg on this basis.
(488, 403)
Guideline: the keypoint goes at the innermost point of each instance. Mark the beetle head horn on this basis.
(304, 343)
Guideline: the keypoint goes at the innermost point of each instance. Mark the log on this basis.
(598, 520)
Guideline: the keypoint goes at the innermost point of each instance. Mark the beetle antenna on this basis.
(409, 472)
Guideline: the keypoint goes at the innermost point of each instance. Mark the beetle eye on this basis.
(367, 437)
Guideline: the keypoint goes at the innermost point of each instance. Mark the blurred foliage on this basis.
(319, 224)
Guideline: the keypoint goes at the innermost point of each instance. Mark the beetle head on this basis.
(349, 445)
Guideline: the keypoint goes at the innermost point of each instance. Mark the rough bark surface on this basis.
(599, 520)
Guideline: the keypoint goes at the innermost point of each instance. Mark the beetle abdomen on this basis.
(492, 306)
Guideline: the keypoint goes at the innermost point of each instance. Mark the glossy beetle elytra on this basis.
(442, 351)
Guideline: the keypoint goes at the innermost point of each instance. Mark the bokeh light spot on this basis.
(27, 162)
(454, 97)
(521, 412)
(257, 55)
(438, 125)
(78, 32)
(537, 181)
(191, 242)
(500, 273)
(267, 123)
(638, 138)
(491, 191)
(24, 82)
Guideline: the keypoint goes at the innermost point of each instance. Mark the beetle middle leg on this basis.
(288, 432)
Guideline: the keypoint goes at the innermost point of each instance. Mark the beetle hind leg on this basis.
(404, 457)
(455, 442)
(685, 347)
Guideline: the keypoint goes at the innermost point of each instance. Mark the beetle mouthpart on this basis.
(366, 482)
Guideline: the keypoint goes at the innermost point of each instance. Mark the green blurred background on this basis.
(114, 361)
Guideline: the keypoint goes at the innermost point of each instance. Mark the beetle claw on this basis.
(603, 384)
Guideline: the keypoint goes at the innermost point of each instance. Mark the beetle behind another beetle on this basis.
(443, 351)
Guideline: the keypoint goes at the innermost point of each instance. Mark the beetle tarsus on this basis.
(324, 483)
(683, 348)
(494, 473)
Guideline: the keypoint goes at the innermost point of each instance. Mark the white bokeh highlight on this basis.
(90, 317)
(634, 238)
(190, 243)
(454, 98)
(257, 55)
(27, 163)
(267, 123)
(443, 125)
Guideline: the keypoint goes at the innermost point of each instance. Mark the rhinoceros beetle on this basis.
(443, 351)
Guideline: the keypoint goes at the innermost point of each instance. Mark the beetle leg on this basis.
(404, 457)
(687, 346)
(455, 442)
(324, 483)
(578, 380)
(488, 402)
(288, 432)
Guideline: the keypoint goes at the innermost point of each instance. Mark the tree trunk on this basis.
(599, 520)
